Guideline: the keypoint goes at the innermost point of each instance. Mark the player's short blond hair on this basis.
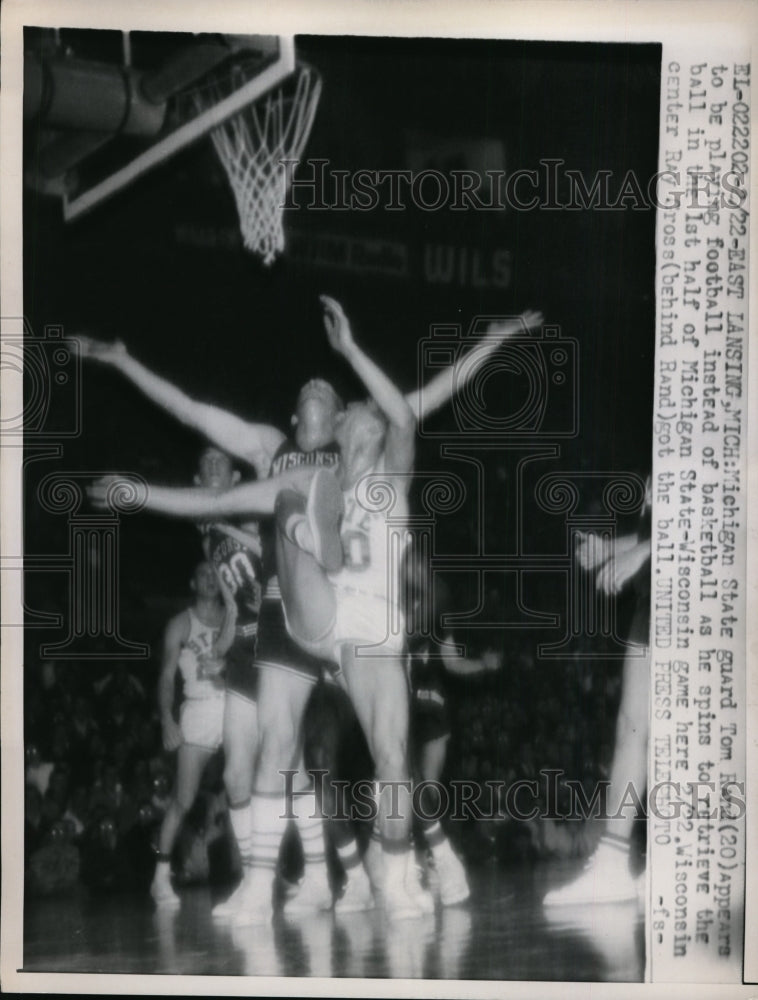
(363, 421)
(321, 389)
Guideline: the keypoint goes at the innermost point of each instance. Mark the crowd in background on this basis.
(98, 779)
(98, 782)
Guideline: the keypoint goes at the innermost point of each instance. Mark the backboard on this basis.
(101, 108)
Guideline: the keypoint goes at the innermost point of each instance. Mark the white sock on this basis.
(242, 824)
(310, 826)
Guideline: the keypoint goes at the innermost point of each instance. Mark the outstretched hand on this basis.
(592, 550)
(105, 351)
(115, 487)
(337, 325)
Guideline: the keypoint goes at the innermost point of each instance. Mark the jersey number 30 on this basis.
(238, 572)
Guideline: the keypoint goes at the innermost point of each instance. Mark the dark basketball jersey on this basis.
(236, 555)
(428, 680)
(290, 456)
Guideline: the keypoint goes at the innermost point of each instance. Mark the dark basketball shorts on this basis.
(241, 668)
(278, 650)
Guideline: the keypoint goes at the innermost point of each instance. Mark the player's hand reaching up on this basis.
(337, 325)
(107, 352)
(117, 493)
(172, 734)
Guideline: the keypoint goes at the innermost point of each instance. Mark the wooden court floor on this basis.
(501, 933)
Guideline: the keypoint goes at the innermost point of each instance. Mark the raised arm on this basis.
(440, 389)
(176, 633)
(252, 443)
(226, 633)
(198, 503)
(401, 430)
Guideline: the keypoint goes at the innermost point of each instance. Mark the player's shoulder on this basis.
(179, 627)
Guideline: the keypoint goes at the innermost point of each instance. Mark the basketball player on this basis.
(234, 550)
(284, 674)
(428, 662)
(283, 702)
(327, 616)
(341, 587)
(189, 646)
(607, 877)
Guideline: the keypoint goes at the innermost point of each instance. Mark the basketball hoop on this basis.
(251, 146)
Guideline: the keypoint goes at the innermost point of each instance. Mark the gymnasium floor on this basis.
(502, 933)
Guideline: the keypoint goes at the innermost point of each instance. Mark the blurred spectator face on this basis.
(32, 755)
(58, 833)
(161, 786)
(106, 833)
(147, 814)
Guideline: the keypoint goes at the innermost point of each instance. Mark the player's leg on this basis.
(191, 761)
(329, 720)
(240, 751)
(306, 590)
(607, 876)
(314, 892)
(453, 884)
(379, 692)
(282, 696)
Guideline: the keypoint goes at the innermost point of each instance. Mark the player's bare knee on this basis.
(183, 803)
(277, 747)
(390, 762)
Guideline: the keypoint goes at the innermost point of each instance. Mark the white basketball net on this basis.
(251, 146)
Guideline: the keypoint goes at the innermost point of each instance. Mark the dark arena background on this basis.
(161, 266)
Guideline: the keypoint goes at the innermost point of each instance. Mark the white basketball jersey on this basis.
(198, 643)
(374, 535)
